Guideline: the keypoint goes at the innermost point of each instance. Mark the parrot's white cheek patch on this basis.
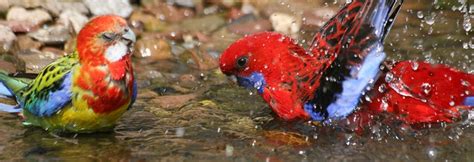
(116, 52)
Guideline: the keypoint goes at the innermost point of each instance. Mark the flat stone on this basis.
(36, 60)
(7, 39)
(57, 34)
(102, 7)
(73, 18)
(27, 43)
(34, 17)
(56, 7)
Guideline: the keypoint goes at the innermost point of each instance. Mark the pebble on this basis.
(35, 60)
(34, 17)
(27, 43)
(205, 24)
(7, 39)
(57, 34)
(73, 19)
(153, 49)
(20, 26)
(56, 7)
(102, 7)
(149, 21)
(251, 27)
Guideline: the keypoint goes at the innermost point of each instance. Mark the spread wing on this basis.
(352, 44)
(51, 90)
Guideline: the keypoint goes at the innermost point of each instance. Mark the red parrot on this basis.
(343, 73)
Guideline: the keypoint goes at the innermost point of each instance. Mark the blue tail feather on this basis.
(5, 91)
(9, 108)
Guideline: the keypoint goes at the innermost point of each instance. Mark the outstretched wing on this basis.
(51, 90)
(351, 44)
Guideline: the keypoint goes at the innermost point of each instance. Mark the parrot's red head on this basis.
(271, 63)
(105, 39)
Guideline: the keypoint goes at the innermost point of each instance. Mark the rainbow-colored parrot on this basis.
(343, 74)
(86, 91)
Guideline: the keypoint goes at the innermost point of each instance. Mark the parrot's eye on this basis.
(108, 36)
(242, 62)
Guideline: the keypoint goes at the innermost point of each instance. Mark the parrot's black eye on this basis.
(242, 62)
(108, 36)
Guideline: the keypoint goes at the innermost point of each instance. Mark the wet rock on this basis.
(102, 7)
(149, 21)
(220, 40)
(20, 26)
(27, 43)
(171, 102)
(152, 49)
(202, 60)
(188, 81)
(57, 7)
(205, 24)
(286, 24)
(35, 60)
(57, 34)
(251, 27)
(168, 12)
(73, 19)
(7, 39)
(34, 17)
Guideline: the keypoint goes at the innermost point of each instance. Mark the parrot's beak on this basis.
(129, 36)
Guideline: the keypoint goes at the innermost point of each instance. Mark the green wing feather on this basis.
(36, 97)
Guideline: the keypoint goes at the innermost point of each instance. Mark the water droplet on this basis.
(430, 19)
(382, 88)
(389, 77)
(432, 153)
(426, 88)
(452, 103)
(467, 23)
(419, 14)
(414, 65)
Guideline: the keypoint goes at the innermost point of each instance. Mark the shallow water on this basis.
(222, 122)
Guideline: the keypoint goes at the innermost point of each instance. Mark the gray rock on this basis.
(57, 34)
(57, 7)
(6, 39)
(102, 7)
(35, 17)
(70, 18)
(26, 3)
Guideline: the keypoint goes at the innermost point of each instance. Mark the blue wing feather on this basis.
(54, 101)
